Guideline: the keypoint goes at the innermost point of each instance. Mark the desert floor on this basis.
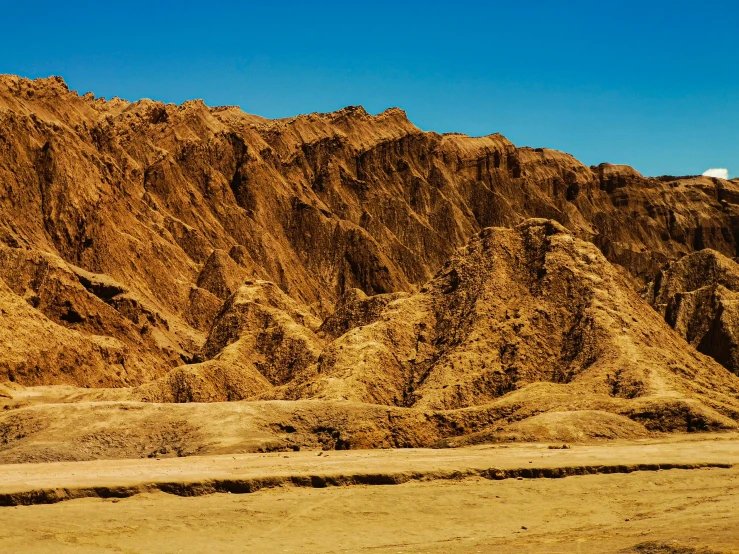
(433, 509)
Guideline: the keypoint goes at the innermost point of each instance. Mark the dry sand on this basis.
(667, 511)
(597, 513)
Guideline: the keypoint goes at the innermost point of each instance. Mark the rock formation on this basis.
(515, 307)
(698, 296)
(188, 253)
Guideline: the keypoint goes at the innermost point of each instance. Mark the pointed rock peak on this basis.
(267, 293)
(395, 113)
(608, 169)
(54, 81)
(195, 103)
(351, 111)
(356, 309)
(547, 226)
(221, 275)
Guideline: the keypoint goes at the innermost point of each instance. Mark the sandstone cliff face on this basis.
(261, 339)
(513, 309)
(520, 322)
(698, 296)
(526, 333)
(134, 226)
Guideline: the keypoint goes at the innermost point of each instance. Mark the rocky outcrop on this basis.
(357, 309)
(699, 297)
(261, 339)
(66, 301)
(221, 276)
(513, 309)
(35, 350)
(133, 228)
(520, 322)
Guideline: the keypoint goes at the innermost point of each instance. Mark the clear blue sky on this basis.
(651, 84)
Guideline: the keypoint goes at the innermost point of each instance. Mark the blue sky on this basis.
(651, 84)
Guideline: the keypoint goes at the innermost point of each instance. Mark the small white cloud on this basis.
(720, 172)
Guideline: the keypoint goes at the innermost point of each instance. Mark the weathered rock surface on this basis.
(187, 253)
(698, 296)
(179, 204)
(519, 322)
(260, 339)
(516, 307)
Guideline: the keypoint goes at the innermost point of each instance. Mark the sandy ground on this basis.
(598, 513)
(677, 511)
(415, 463)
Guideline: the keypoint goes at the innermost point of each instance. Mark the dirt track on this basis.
(448, 508)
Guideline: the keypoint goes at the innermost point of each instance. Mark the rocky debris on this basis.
(658, 547)
(698, 296)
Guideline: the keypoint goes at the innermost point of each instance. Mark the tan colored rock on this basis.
(261, 339)
(197, 254)
(357, 309)
(698, 296)
(514, 308)
(35, 350)
(221, 275)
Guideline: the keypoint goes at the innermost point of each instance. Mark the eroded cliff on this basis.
(189, 253)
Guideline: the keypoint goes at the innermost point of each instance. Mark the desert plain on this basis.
(336, 332)
(676, 495)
